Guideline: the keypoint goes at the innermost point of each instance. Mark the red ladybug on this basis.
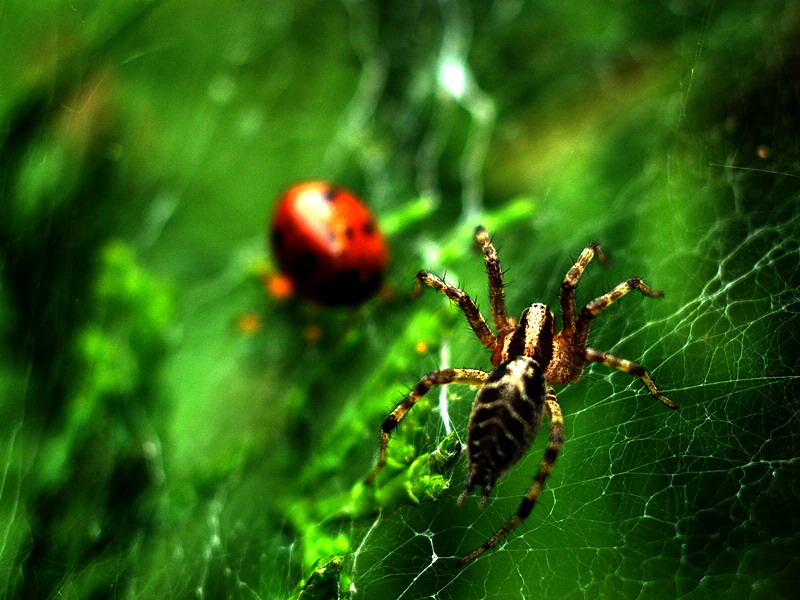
(328, 243)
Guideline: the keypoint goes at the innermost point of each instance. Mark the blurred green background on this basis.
(169, 430)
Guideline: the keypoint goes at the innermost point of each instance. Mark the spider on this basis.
(528, 357)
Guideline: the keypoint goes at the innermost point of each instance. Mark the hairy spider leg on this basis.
(631, 368)
(441, 377)
(567, 297)
(464, 302)
(597, 306)
(554, 443)
(497, 299)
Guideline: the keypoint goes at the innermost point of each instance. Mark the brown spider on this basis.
(528, 357)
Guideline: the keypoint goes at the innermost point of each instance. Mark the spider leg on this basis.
(631, 368)
(598, 305)
(567, 296)
(497, 300)
(555, 441)
(465, 303)
(442, 377)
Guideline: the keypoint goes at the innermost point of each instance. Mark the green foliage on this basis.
(117, 354)
(323, 583)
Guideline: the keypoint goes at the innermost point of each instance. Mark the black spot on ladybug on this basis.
(305, 263)
(368, 228)
(330, 193)
(349, 233)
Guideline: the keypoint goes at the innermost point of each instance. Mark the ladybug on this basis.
(328, 244)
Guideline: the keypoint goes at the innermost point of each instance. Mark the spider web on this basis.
(644, 503)
(170, 430)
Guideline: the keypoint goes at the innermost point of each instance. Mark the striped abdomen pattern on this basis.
(505, 419)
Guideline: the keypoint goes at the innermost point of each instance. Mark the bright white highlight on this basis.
(453, 77)
(444, 361)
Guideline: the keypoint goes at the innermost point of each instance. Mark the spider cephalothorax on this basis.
(528, 357)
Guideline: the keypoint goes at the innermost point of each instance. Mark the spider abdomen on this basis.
(505, 419)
